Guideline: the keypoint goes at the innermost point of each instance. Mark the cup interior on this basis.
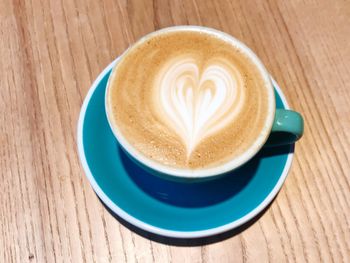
(206, 172)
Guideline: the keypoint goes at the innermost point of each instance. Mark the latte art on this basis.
(187, 99)
(198, 104)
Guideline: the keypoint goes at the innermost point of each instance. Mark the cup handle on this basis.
(287, 128)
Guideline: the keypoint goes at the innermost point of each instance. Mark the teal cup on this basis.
(283, 126)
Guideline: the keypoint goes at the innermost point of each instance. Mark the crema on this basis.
(187, 99)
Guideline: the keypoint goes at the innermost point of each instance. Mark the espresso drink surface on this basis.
(187, 99)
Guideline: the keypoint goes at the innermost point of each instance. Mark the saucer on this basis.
(174, 209)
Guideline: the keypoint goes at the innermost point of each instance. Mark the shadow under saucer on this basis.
(187, 242)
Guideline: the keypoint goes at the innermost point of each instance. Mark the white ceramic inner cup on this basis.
(230, 165)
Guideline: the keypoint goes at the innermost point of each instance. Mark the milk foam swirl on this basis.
(195, 100)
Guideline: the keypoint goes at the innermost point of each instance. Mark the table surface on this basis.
(51, 51)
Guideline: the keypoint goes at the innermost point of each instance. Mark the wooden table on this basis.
(51, 51)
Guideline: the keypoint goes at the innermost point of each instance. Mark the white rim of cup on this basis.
(157, 230)
(228, 166)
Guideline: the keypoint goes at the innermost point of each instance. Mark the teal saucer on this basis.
(168, 208)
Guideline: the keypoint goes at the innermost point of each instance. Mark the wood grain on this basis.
(51, 51)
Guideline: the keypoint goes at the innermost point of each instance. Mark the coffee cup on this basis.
(192, 103)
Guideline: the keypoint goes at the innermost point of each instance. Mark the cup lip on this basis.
(211, 171)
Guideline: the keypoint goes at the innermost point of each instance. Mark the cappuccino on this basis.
(188, 99)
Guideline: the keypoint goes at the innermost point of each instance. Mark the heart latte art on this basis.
(187, 99)
(198, 104)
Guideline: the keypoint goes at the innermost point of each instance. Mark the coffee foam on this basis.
(187, 100)
(197, 104)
